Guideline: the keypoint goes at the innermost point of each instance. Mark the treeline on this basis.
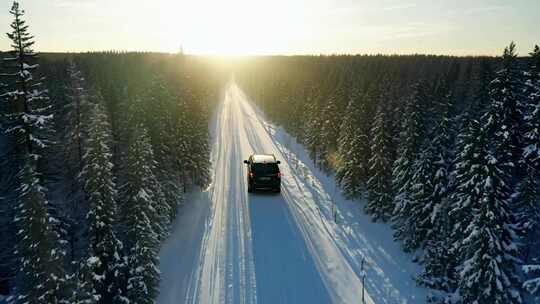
(445, 149)
(95, 158)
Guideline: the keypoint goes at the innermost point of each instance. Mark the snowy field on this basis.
(305, 245)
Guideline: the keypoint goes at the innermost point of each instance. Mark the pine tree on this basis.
(532, 285)
(484, 227)
(141, 238)
(76, 107)
(504, 120)
(161, 123)
(527, 197)
(429, 182)
(415, 218)
(328, 133)
(440, 263)
(380, 204)
(489, 267)
(466, 175)
(162, 208)
(430, 226)
(313, 126)
(41, 257)
(402, 170)
(527, 209)
(444, 247)
(196, 149)
(441, 143)
(27, 119)
(531, 112)
(353, 146)
(200, 148)
(104, 250)
(434, 222)
(8, 186)
(39, 246)
(82, 283)
(181, 142)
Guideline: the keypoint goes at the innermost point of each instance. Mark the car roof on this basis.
(263, 158)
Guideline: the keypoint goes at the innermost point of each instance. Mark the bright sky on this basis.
(238, 27)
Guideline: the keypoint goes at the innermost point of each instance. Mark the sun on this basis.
(233, 27)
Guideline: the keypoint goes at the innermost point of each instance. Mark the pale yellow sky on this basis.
(238, 27)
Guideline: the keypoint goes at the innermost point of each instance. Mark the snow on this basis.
(142, 194)
(531, 268)
(229, 246)
(92, 261)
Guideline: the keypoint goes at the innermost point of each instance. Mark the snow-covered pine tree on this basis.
(429, 225)
(380, 204)
(75, 125)
(353, 145)
(200, 146)
(39, 247)
(27, 118)
(435, 232)
(7, 198)
(313, 125)
(527, 198)
(532, 284)
(415, 218)
(531, 112)
(181, 143)
(76, 107)
(488, 271)
(402, 169)
(442, 136)
(466, 175)
(137, 112)
(81, 283)
(440, 263)
(141, 238)
(40, 270)
(164, 117)
(163, 131)
(294, 124)
(464, 159)
(303, 127)
(430, 180)
(104, 249)
(480, 93)
(504, 121)
(329, 132)
(527, 209)
(195, 133)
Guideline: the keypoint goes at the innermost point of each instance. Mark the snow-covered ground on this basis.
(295, 247)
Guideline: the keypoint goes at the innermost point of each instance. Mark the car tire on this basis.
(249, 188)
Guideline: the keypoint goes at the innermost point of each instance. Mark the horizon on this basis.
(239, 28)
(524, 54)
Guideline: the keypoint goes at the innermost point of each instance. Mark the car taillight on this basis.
(279, 174)
(251, 174)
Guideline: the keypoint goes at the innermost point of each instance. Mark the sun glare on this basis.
(236, 27)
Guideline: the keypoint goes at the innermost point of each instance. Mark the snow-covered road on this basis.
(231, 247)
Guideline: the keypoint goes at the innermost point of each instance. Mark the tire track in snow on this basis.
(225, 272)
(341, 281)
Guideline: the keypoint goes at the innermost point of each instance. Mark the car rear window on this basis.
(262, 168)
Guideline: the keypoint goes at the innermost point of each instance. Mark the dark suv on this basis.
(263, 172)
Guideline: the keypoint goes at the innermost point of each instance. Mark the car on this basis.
(263, 172)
